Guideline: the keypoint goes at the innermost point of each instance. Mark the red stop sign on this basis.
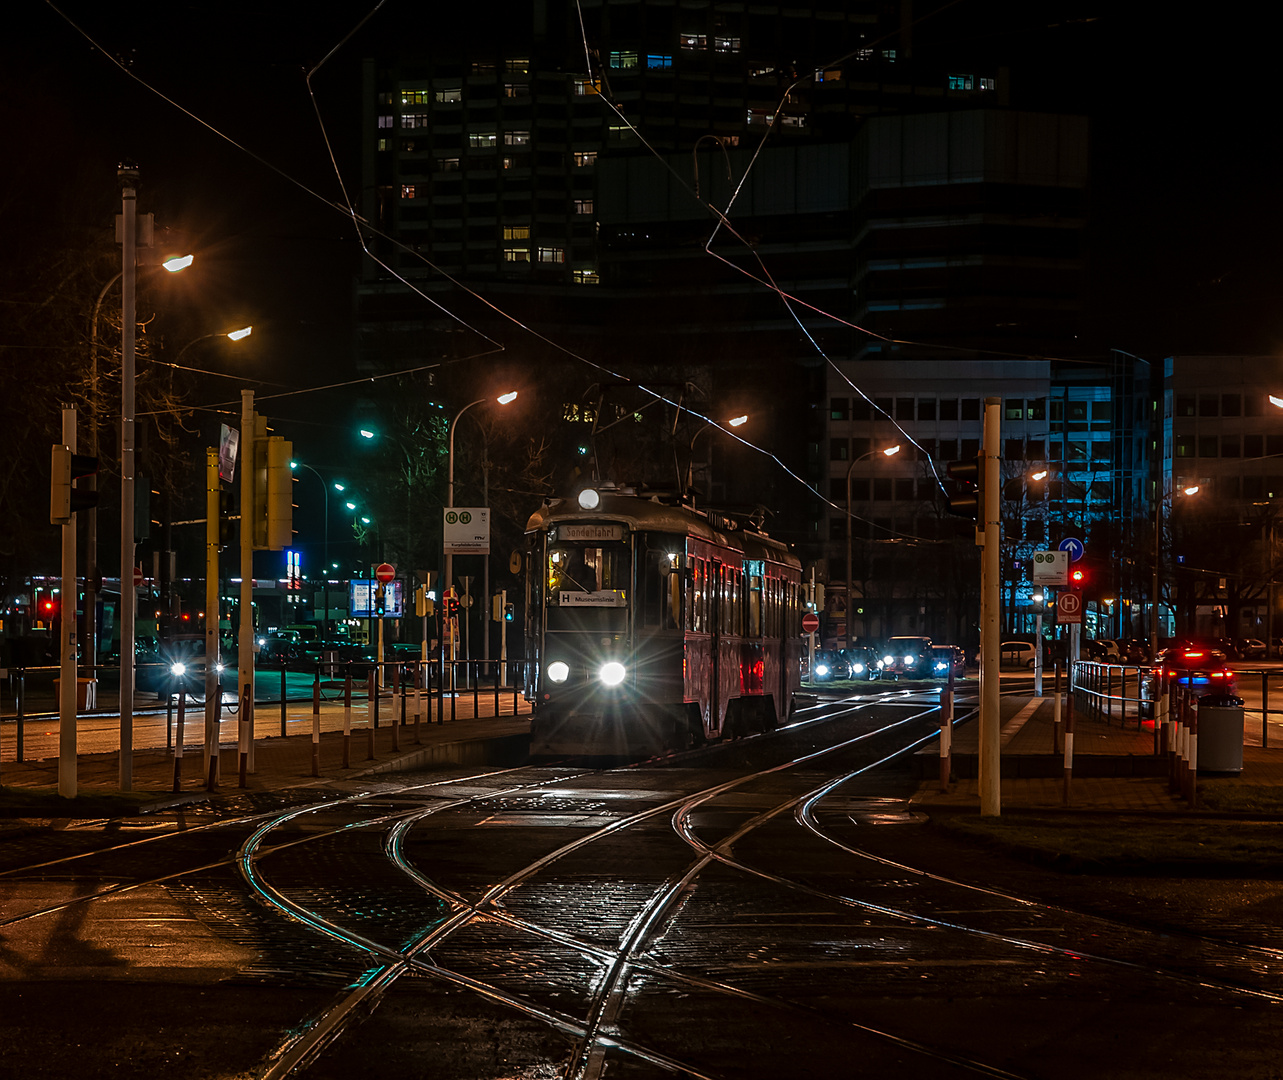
(810, 622)
(385, 572)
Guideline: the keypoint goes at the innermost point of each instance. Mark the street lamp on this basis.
(503, 399)
(1191, 489)
(325, 489)
(890, 451)
(232, 335)
(734, 422)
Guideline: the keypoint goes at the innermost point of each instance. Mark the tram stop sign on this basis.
(810, 622)
(385, 572)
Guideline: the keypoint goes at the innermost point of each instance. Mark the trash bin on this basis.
(1220, 734)
(86, 694)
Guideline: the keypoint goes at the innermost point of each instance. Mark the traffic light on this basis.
(422, 605)
(380, 598)
(452, 607)
(64, 498)
(1077, 578)
(508, 613)
(970, 498)
(226, 514)
(273, 490)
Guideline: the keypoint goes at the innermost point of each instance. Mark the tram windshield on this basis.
(584, 578)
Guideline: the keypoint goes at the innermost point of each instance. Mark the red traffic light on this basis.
(1077, 578)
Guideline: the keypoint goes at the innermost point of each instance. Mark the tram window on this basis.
(663, 597)
(587, 569)
(697, 606)
(755, 603)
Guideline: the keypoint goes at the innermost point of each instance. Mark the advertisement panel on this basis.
(361, 602)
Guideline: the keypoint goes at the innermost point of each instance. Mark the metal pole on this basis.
(1038, 654)
(128, 177)
(91, 482)
(211, 612)
(245, 639)
(990, 703)
(68, 687)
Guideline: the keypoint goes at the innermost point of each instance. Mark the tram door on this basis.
(716, 570)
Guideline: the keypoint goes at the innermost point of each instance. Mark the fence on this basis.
(399, 682)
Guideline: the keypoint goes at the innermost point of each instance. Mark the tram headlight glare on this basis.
(909, 661)
(888, 660)
(612, 673)
(558, 671)
(178, 670)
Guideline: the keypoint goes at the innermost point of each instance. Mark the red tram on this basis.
(655, 626)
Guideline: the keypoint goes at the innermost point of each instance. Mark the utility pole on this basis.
(68, 688)
(213, 704)
(128, 176)
(988, 537)
(245, 642)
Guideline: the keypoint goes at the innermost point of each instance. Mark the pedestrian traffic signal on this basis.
(970, 498)
(508, 613)
(64, 498)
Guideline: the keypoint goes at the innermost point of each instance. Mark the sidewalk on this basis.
(280, 762)
(1115, 767)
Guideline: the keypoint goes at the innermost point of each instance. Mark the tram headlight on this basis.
(178, 670)
(888, 660)
(909, 661)
(611, 673)
(589, 499)
(558, 671)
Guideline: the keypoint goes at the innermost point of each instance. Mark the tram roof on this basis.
(653, 515)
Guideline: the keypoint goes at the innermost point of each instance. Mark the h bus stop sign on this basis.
(810, 622)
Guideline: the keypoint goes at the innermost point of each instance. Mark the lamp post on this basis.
(325, 489)
(890, 451)
(173, 265)
(734, 422)
(1192, 489)
(502, 399)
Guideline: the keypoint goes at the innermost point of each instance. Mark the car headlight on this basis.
(909, 661)
(821, 669)
(611, 673)
(558, 671)
(888, 660)
(941, 666)
(859, 669)
(178, 669)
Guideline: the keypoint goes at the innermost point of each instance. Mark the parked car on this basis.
(1021, 654)
(1203, 670)
(908, 657)
(1105, 650)
(946, 658)
(830, 664)
(1250, 649)
(864, 662)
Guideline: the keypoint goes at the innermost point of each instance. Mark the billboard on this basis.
(361, 599)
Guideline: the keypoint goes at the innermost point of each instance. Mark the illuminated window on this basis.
(864, 54)
(726, 44)
(960, 82)
(760, 71)
(760, 117)
(888, 54)
(383, 144)
(585, 277)
(483, 67)
(658, 62)
(483, 140)
(414, 120)
(447, 164)
(385, 121)
(415, 97)
(514, 90)
(517, 66)
(552, 255)
(693, 41)
(585, 158)
(587, 86)
(516, 138)
(407, 191)
(516, 254)
(583, 206)
(516, 232)
(620, 132)
(988, 84)
(828, 75)
(792, 121)
(449, 95)
(623, 60)
(507, 163)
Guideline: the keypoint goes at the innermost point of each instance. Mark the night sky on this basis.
(1185, 230)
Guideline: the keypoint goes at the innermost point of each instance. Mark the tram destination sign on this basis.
(590, 532)
(466, 530)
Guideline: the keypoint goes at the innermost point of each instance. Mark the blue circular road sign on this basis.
(1074, 546)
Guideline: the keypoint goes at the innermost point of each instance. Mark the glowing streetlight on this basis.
(243, 332)
(178, 262)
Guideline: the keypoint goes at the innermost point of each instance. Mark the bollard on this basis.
(946, 732)
(1109, 694)
(316, 724)
(211, 778)
(496, 691)
(372, 711)
(1055, 710)
(282, 699)
(1265, 709)
(169, 720)
(19, 700)
(347, 717)
(178, 738)
(396, 693)
(418, 697)
(1193, 759)
(1069, 744)
(247, 711)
